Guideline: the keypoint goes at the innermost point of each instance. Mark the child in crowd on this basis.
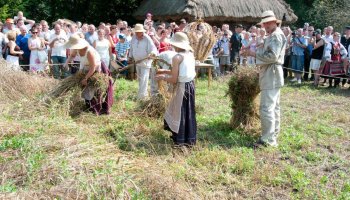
(122, 49)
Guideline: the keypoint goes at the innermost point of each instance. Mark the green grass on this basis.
(46, 153)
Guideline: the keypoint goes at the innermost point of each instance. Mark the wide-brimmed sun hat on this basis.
(139, 28)
(269, 16)
(76, 42)
(181, 41)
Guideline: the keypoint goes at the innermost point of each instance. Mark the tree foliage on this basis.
(322, 13)
(91, 11)
(330, 13)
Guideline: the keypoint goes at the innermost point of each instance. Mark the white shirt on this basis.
(102, 47)
(328, 39)
(58, 47)
(167, 56)
(84, 61)
(187, 68)
(140, 49)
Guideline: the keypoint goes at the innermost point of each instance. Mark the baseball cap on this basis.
(121, 36)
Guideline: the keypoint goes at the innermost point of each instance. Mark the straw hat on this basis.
(75, 42)
(181, 41)
(139, 28)
(269, 16)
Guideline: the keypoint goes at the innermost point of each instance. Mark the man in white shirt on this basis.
(328, 37)
(58, 52)
(141, 47)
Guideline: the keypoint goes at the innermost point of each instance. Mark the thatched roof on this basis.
(216, 11)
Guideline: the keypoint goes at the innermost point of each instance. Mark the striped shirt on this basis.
(122, 48)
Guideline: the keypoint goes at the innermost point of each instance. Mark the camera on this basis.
(294, 33)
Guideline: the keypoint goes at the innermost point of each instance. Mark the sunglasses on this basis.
(34, 32)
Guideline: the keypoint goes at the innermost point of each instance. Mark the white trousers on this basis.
(251, 60)
(143, 75)
(270, 115)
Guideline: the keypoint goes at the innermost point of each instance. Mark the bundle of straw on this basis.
(202, 40)
(156, 105)
(243, 91)
(98, 80)
(68, 91)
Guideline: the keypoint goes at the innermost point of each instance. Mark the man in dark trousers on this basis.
(236, 44)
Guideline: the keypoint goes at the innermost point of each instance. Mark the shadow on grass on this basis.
(220, 133)
(344, 92)
(335, 91)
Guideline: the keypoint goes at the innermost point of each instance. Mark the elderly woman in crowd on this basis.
(335, 53)
(90, 63)
(252, 47)
(180, 116)
(103, 47)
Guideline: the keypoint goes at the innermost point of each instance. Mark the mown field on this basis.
(45, 153)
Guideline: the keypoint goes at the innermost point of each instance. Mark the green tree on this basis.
(9, 8)
(330, 13)
(90, 11)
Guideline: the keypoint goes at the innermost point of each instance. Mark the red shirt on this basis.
(163, 46)
(115, 41)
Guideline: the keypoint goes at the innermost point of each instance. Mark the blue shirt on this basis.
(297, 50)
(22, 42)
(121, 48)
(90, 38)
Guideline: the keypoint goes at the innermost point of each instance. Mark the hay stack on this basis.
(243, 91)
(16, 85)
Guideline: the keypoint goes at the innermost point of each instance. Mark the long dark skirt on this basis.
(187, 134)
(103, 100)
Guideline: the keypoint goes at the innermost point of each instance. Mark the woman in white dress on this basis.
(38, 56)
(103, 47)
